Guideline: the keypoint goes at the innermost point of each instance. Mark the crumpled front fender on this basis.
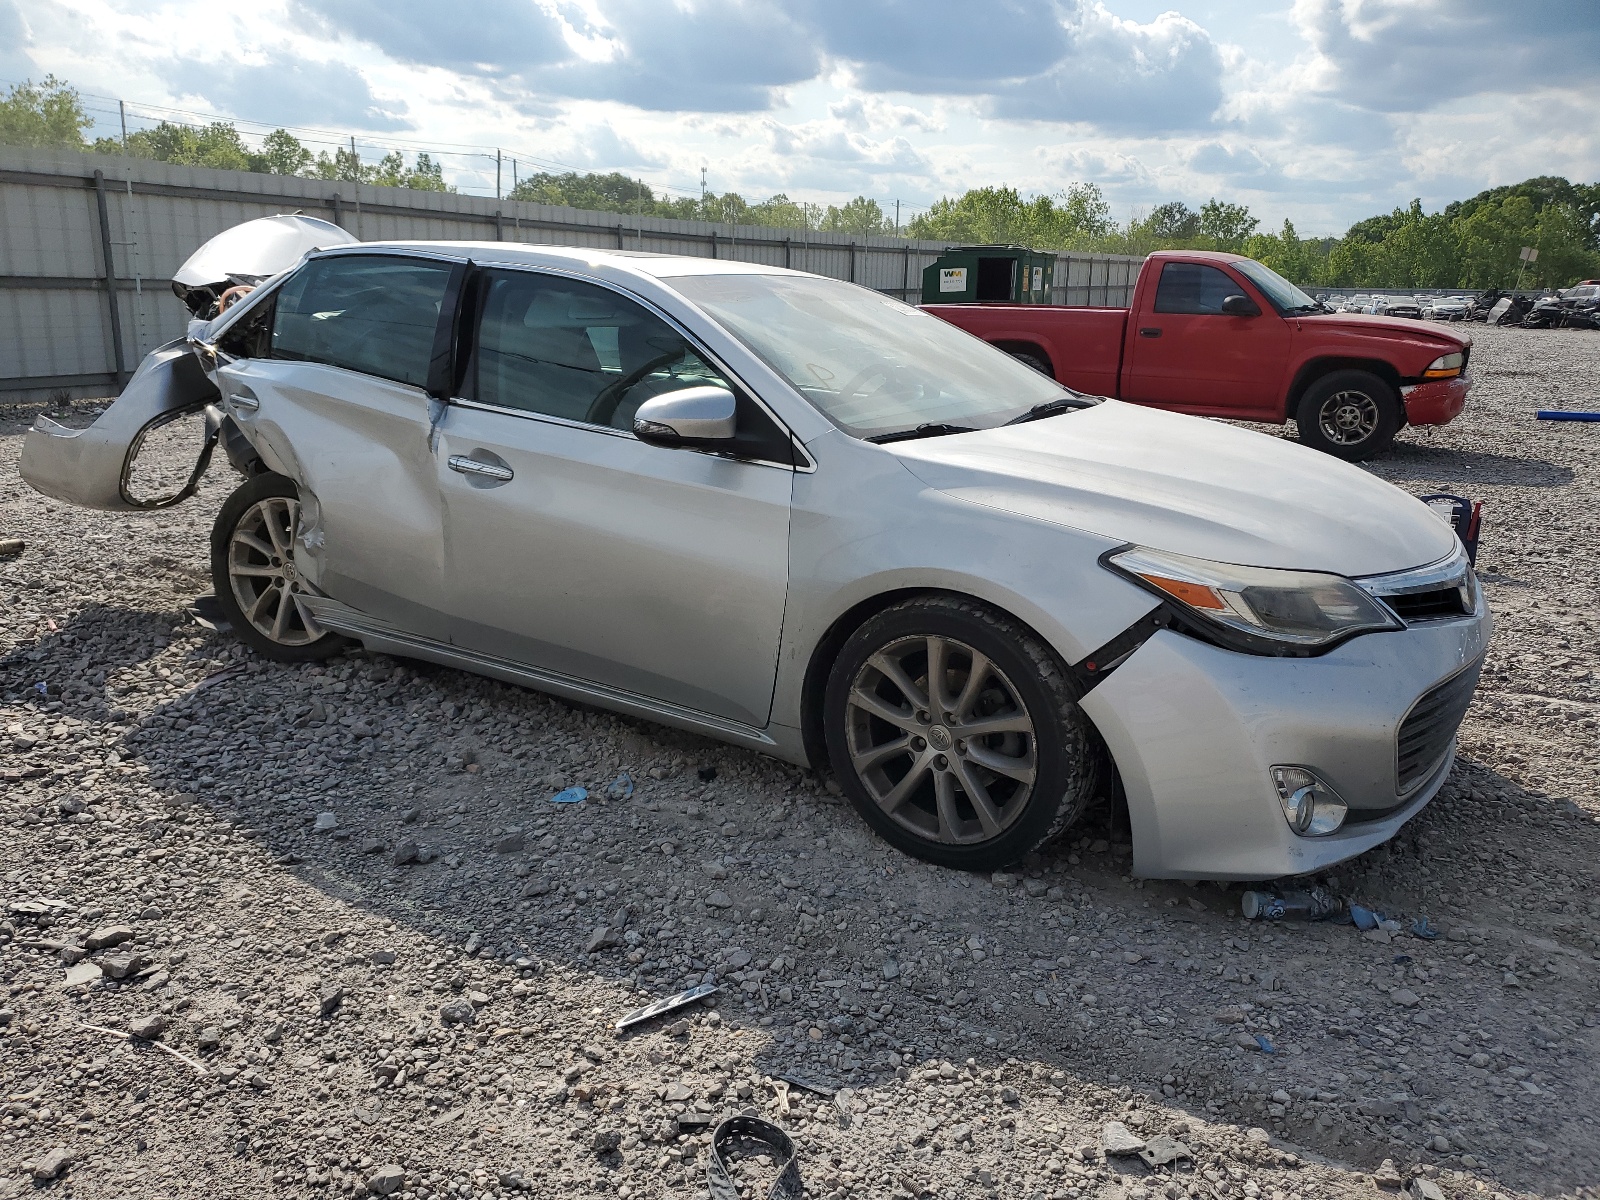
(91, 467)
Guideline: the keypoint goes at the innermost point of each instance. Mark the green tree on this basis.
(1173, 222)
(216, 145)
(1226, 225)
(859, 216)
(44, 114)
(391, 171)
(284, 155)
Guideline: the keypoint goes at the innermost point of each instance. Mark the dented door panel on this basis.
(93, 466)
(357, 447)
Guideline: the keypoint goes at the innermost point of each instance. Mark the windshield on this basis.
(872, 365)
(1285, 297)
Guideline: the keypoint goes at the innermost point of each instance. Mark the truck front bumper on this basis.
(1196, 730)
(1437, 402)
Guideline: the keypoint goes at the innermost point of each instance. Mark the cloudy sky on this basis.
(1322, 111)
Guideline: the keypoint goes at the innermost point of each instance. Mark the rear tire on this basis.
(1350, 414)
(914, 760)
(1034, 359)
(252, 572)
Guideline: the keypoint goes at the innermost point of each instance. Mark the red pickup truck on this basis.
(1221, 335)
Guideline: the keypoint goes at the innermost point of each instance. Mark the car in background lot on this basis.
(1405, 307)
(1222, 335)
(1449, 308)
(1356, 303)
(802, 517)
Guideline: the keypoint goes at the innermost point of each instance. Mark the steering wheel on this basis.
(604, 406)
(888, 373)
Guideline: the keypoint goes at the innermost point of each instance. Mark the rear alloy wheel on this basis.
(253, 573)
(954, 733)
(1350, 414)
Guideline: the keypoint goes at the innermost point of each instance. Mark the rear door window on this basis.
(1194, 288)
(376, 314)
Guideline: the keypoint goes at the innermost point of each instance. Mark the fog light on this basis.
(1311, 807)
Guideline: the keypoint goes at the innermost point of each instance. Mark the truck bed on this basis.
(1082, 345)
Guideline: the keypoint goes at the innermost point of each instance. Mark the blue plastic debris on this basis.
(42, 688)
(1422, 929)
(571, 795)
(1265, 1043)
(1551, 414)
(1364, 918)
(621, 787)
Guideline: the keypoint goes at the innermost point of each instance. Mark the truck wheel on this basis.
(1352, 415)
(1033, 359)
(253, 573)
(956, 734)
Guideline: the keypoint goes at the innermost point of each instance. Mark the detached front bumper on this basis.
(1195, 730)
(1437, 402)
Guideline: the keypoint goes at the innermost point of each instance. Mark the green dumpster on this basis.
(989, 274)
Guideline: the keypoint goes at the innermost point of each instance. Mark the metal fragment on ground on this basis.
(667, 1004)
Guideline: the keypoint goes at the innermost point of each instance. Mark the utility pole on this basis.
(122, 111)
(497, 173)
(355, 162)
(513, 177)
(702, 187)
(897, 218)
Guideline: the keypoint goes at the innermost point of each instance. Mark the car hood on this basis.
(1370, 323)
(1188, 485)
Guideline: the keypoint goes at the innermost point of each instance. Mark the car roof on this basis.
(630, 262)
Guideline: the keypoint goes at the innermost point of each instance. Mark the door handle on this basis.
(1150, 331)
(244, 399)
(483, 470)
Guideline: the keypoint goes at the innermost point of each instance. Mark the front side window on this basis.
(561, 348)
(375, 314)
(1194, 289)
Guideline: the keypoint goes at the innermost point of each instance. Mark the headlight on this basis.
(1284, 609)
(1446, 366)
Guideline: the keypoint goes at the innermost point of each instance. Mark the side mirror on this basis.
(697, 416)
(1240, 306)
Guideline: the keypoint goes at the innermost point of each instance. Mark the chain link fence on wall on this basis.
(89, 243)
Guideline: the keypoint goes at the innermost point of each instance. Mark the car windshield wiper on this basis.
(1051, 407)
(929, 429)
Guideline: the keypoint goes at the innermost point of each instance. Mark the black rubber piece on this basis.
(1068, 753)
(747, 1134)
(234, 508)
(1387, 399)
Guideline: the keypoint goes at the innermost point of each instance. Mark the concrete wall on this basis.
(56, 292)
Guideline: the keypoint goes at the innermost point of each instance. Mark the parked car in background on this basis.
(1449, 308)
(1403, 306)
(802, 517)
(1224, 336)
(1356, 303)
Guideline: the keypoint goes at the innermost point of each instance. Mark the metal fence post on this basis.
(338, 210)
(499, 226)
(713, 243)
(110, 277)
(905, 273)
(852, 262)
(788, 253)
(620, 243)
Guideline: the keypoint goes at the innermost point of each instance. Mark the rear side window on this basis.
(370, 313)
(1193, 288)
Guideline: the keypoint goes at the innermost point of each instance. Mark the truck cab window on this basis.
(1193, 288)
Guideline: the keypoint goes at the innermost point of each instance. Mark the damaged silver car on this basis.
(802, 517)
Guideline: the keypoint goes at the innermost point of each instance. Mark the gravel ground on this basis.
(386, 963)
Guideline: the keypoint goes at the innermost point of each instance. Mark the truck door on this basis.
(1188, 354)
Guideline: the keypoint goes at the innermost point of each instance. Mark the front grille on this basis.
(1425, 735)
(1420, 606)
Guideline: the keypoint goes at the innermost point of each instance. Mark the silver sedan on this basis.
(796, 515)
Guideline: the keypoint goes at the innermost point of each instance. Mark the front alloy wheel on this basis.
(956, 735)
(941, 740)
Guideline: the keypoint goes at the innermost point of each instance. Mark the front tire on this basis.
(253, 573)
(956, 734)
(1351, 415)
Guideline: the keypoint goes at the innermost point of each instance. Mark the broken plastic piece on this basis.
(571, 795)
(1161, 1150)
(809, 1085)
(1364, 918)
(667, 1003)
(1551, 414)
(1423, 929)
(620, 788)
(1263, 1041)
